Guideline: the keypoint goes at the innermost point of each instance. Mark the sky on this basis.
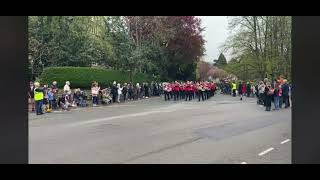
(216, 32)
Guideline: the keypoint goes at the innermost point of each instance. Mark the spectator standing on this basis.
(119, 91)
(276, 95)
(268, 97)
(38, 97)
(95, 92)
(130, 91)
(285, 89)
(114, 91)
(124, 91)
(31, 96)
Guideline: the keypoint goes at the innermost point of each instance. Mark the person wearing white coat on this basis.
(119, 91)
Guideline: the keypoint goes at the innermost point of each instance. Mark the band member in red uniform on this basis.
(209, 85)
(167, 90)
(171, 92)
(209, 89)
(205, 93)
(194, 90)
(213, 88)
(182, 90)
(201, 90)
(187, 91)
(175, 91)
(191, 92)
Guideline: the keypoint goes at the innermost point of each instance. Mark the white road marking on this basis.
(266, 151)
(285, 141)
(244, 163)
(118, 117)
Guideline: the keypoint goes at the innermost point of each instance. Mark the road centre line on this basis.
(266, 151)
(285, 141)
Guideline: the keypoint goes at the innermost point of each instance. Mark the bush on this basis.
(82, 77)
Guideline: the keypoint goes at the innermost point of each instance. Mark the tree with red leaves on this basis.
(177, 41)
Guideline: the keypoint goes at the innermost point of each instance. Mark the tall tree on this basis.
(261, 44)
(221, 62)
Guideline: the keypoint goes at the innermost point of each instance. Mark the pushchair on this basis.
(260, 98)
(83, 99)
(106, 98)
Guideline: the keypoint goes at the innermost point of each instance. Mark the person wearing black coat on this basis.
(146, 90)
(114, 92)
(248, 89)
(155, 91)
(285, 94)
(124, 91)
(142, 90)
(130, 91)
(268, 97)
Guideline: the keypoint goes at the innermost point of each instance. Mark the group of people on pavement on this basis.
(277, 92)
(189, 90)
(44, 98)
(40, 97)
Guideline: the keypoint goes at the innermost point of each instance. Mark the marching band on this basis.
(189, 90)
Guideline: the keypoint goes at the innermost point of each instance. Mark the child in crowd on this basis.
(55, 91)
(83, 99)
(80, 98)
(64, 101)
(76, 98)
(50, 96)
(95, 92)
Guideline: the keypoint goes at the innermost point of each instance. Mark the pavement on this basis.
(221, 130)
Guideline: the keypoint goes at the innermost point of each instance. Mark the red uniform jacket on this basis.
(194, 88)
(176, 87)
(188, 87)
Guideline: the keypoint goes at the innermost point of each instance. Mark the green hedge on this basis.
(82, 77)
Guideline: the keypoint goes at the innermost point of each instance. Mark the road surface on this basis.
(222, 130)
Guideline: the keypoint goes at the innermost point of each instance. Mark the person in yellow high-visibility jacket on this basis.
(234, 88)
(38, 97)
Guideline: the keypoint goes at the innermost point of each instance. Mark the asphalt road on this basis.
(222, 130)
